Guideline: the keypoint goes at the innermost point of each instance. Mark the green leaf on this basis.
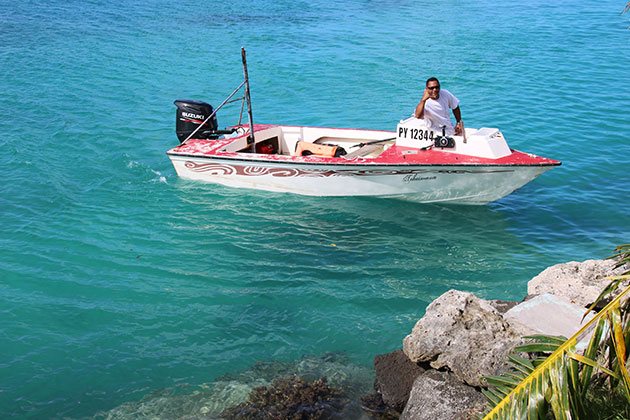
(537, 348)
(559, 399)
(516, 375)
(536, 400)
(619, 344)
(542, 338)
(502, 380)
(492, 396)
(522, 364)
(591, 353)
(610, 288)
(592, 363)
(537, 361)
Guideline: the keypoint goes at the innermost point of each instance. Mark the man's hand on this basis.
(426, 95)
(420, 108)
(458, 128)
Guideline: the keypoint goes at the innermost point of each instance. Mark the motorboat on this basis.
(417, 162)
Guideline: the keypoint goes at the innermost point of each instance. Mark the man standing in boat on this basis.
(434, 106)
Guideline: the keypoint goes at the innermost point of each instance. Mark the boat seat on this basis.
(303, 148)
(364, 151)
(328, 139)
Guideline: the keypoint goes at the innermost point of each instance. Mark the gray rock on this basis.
(439, 396)
(502, 306)
(578, 282)
(465, 334)
(395, 375)
(549, 314)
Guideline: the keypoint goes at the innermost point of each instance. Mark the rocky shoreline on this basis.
(438, 373)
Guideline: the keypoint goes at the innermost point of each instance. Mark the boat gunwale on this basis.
(347, 163)
(283, 160)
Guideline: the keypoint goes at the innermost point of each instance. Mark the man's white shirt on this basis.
(438, 111)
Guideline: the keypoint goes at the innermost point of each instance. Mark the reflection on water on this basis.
(388, 237)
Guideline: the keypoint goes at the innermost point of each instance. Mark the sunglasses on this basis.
(433, 87)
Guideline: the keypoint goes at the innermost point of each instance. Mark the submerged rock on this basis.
(209, 400)
(183, 402)
(376, 409)
(291, 398)
(438, 395)
(465, 334)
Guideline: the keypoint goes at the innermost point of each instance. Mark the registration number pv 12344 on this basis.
(415, 133)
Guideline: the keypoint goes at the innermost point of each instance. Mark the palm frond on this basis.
(622, 257)
(504, 380)
(547, 339)
(537, 347)
(621, 253)
(591, 363)
(559, 382)
(591, 353)
(619, 344)
(492, 396)
(521, 363)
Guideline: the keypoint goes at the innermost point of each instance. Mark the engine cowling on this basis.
(190, 115)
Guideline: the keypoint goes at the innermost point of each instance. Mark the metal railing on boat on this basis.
(245, 98)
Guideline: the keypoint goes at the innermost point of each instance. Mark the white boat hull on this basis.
(465, 184)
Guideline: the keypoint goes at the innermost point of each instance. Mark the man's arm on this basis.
(420, 108)
(458, 114)
(458, 118)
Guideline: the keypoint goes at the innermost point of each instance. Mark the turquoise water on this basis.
(125, 290)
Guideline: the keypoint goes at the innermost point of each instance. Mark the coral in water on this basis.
(291, 398)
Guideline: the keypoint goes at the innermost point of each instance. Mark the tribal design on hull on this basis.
(223, 169)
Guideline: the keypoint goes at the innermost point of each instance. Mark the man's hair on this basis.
(432, 79)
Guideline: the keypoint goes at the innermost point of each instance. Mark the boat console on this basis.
(485, 142)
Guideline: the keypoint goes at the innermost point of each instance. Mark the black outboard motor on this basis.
(190, 115)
